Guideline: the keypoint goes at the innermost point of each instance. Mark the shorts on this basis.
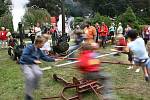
(142, 62)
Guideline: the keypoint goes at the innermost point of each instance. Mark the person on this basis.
(8, 33)
(120, 29)
(97, 33)
(3, 37)
(90, 32)
(146, 34)
(37, 29)
(32, 34)
(30, 60)
(78, 39)
(112, 32)
(127, 29)
(140, 54)
(46, 48)
(90, 68)
(11, 44)
(120, 41)
(103, 30)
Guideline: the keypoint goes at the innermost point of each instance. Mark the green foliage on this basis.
(6, 21)
(99, 19)
(52, 6)
(36, 15)
(31, 16)
(3, 7)
(129, 18)
(78, 20)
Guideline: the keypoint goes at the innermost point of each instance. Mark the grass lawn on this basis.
(127, 84)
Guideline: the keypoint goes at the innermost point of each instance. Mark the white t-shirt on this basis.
(46, 46)
(120, 30)
(138, 48)
(38, 31)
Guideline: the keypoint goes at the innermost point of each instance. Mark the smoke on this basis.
(18, 11)
(77, 8)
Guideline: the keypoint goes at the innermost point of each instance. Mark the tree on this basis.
(52, 6)
(34, 15)
(129, 18)
(3, 7)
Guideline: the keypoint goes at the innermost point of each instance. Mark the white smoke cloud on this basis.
(18, 11)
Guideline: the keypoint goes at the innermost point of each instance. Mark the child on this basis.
(137, 47)
(90, 68)
(11, 43)
(46, 48)
(29, 64)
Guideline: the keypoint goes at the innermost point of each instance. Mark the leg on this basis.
(71, 51)
(145, 71)
(37, 73)
(29, 81)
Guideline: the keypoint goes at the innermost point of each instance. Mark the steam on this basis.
(18, 11)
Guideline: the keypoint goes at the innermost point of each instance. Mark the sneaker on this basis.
(27, 97)
(130, 67)
(147, 79)
(137, 70)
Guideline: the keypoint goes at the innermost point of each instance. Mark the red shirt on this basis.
(87, 62)
(103, 30)
(121, 42)
(3, 35)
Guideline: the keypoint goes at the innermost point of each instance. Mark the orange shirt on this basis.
(90, 32)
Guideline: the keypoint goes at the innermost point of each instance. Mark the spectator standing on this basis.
(119, 29)
(103, 32)
(3, 37)
(90, 32)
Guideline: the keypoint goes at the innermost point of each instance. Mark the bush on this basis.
(78, 20)
(129, 18)
(35, 15)
(6, 21)
(99, 19)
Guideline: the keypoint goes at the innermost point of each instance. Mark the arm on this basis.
(46, 58)
(26, 54)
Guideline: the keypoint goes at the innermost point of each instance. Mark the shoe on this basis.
(137, 70)
(147, 79)
(130, 67)
(27, 97)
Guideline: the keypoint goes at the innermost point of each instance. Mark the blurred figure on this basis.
(78, 39)
(30, 61)
(91, 69)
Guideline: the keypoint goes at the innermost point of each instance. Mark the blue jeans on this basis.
(32, 75)
(71, 51)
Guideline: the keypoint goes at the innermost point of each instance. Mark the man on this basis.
(119, 29)
(90, 32)
(103, 30)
